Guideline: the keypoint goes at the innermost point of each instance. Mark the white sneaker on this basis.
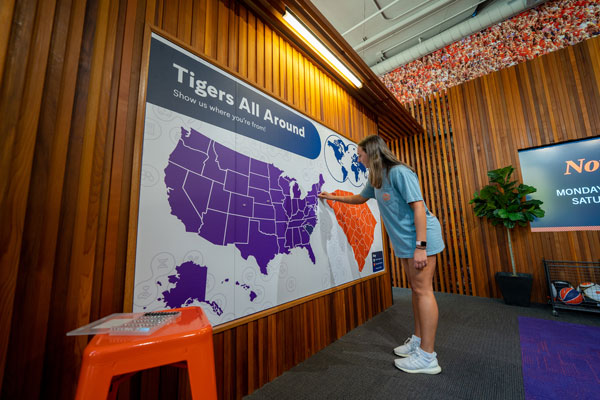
(418, 364)
(409, 346)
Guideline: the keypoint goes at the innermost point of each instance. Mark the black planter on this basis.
(516, 290)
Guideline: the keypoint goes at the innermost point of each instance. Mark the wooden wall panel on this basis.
(70, 86)
(544, 101)
(433, 156)
(479, 126)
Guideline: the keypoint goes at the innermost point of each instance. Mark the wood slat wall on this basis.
(479, 126)
(433, 156)
(70, 83)
(547, 100)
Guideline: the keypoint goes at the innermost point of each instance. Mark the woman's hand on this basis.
(420, 258)
(326, 196)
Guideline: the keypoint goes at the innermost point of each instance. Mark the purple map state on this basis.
(229, 198)
(190, 286)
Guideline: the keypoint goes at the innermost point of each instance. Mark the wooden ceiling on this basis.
(393, 120)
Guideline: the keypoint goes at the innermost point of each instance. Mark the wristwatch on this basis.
(421, 243)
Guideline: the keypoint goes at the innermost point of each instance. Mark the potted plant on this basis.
(503, 202)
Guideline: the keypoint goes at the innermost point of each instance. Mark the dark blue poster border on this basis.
(185, 83)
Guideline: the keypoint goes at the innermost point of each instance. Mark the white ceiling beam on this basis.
(381, 11)
(428, 28)
(416, 17)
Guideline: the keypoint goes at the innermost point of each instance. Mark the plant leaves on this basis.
(538, 212)
(501, 213)
(509, 224)
(505, 202)
(525, 189)
(516, 216)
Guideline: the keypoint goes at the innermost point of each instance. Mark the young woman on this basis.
(416, 237)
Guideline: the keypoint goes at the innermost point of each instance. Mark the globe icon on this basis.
(342, 162)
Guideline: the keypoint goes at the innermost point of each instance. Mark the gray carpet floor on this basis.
(477, 344)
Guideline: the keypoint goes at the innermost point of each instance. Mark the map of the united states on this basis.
(358, 223)
(229, 198)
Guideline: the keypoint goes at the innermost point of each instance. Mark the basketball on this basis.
(570, 296)
(557, 286)
(584, 285)
(591, 291)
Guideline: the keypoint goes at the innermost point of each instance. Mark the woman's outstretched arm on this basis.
(354, 199)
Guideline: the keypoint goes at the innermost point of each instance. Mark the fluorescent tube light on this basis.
(316, 43)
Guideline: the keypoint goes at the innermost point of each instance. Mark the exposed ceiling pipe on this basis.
(372, 16)
(429, 28)
(416, 17)
(397, 16)
(491, 15)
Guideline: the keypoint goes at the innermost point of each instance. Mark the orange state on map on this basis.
(358, 223)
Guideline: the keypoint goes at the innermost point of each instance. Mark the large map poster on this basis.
(229, 218)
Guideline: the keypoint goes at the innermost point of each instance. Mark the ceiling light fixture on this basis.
(308, 36)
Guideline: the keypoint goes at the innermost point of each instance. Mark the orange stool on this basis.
(189, 339)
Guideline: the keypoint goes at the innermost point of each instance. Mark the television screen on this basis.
(567, 178)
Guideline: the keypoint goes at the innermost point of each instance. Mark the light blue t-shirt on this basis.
(393, 197)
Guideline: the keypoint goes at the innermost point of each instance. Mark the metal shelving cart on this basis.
(578, 275)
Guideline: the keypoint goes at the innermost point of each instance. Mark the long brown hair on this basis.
(380, 158)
